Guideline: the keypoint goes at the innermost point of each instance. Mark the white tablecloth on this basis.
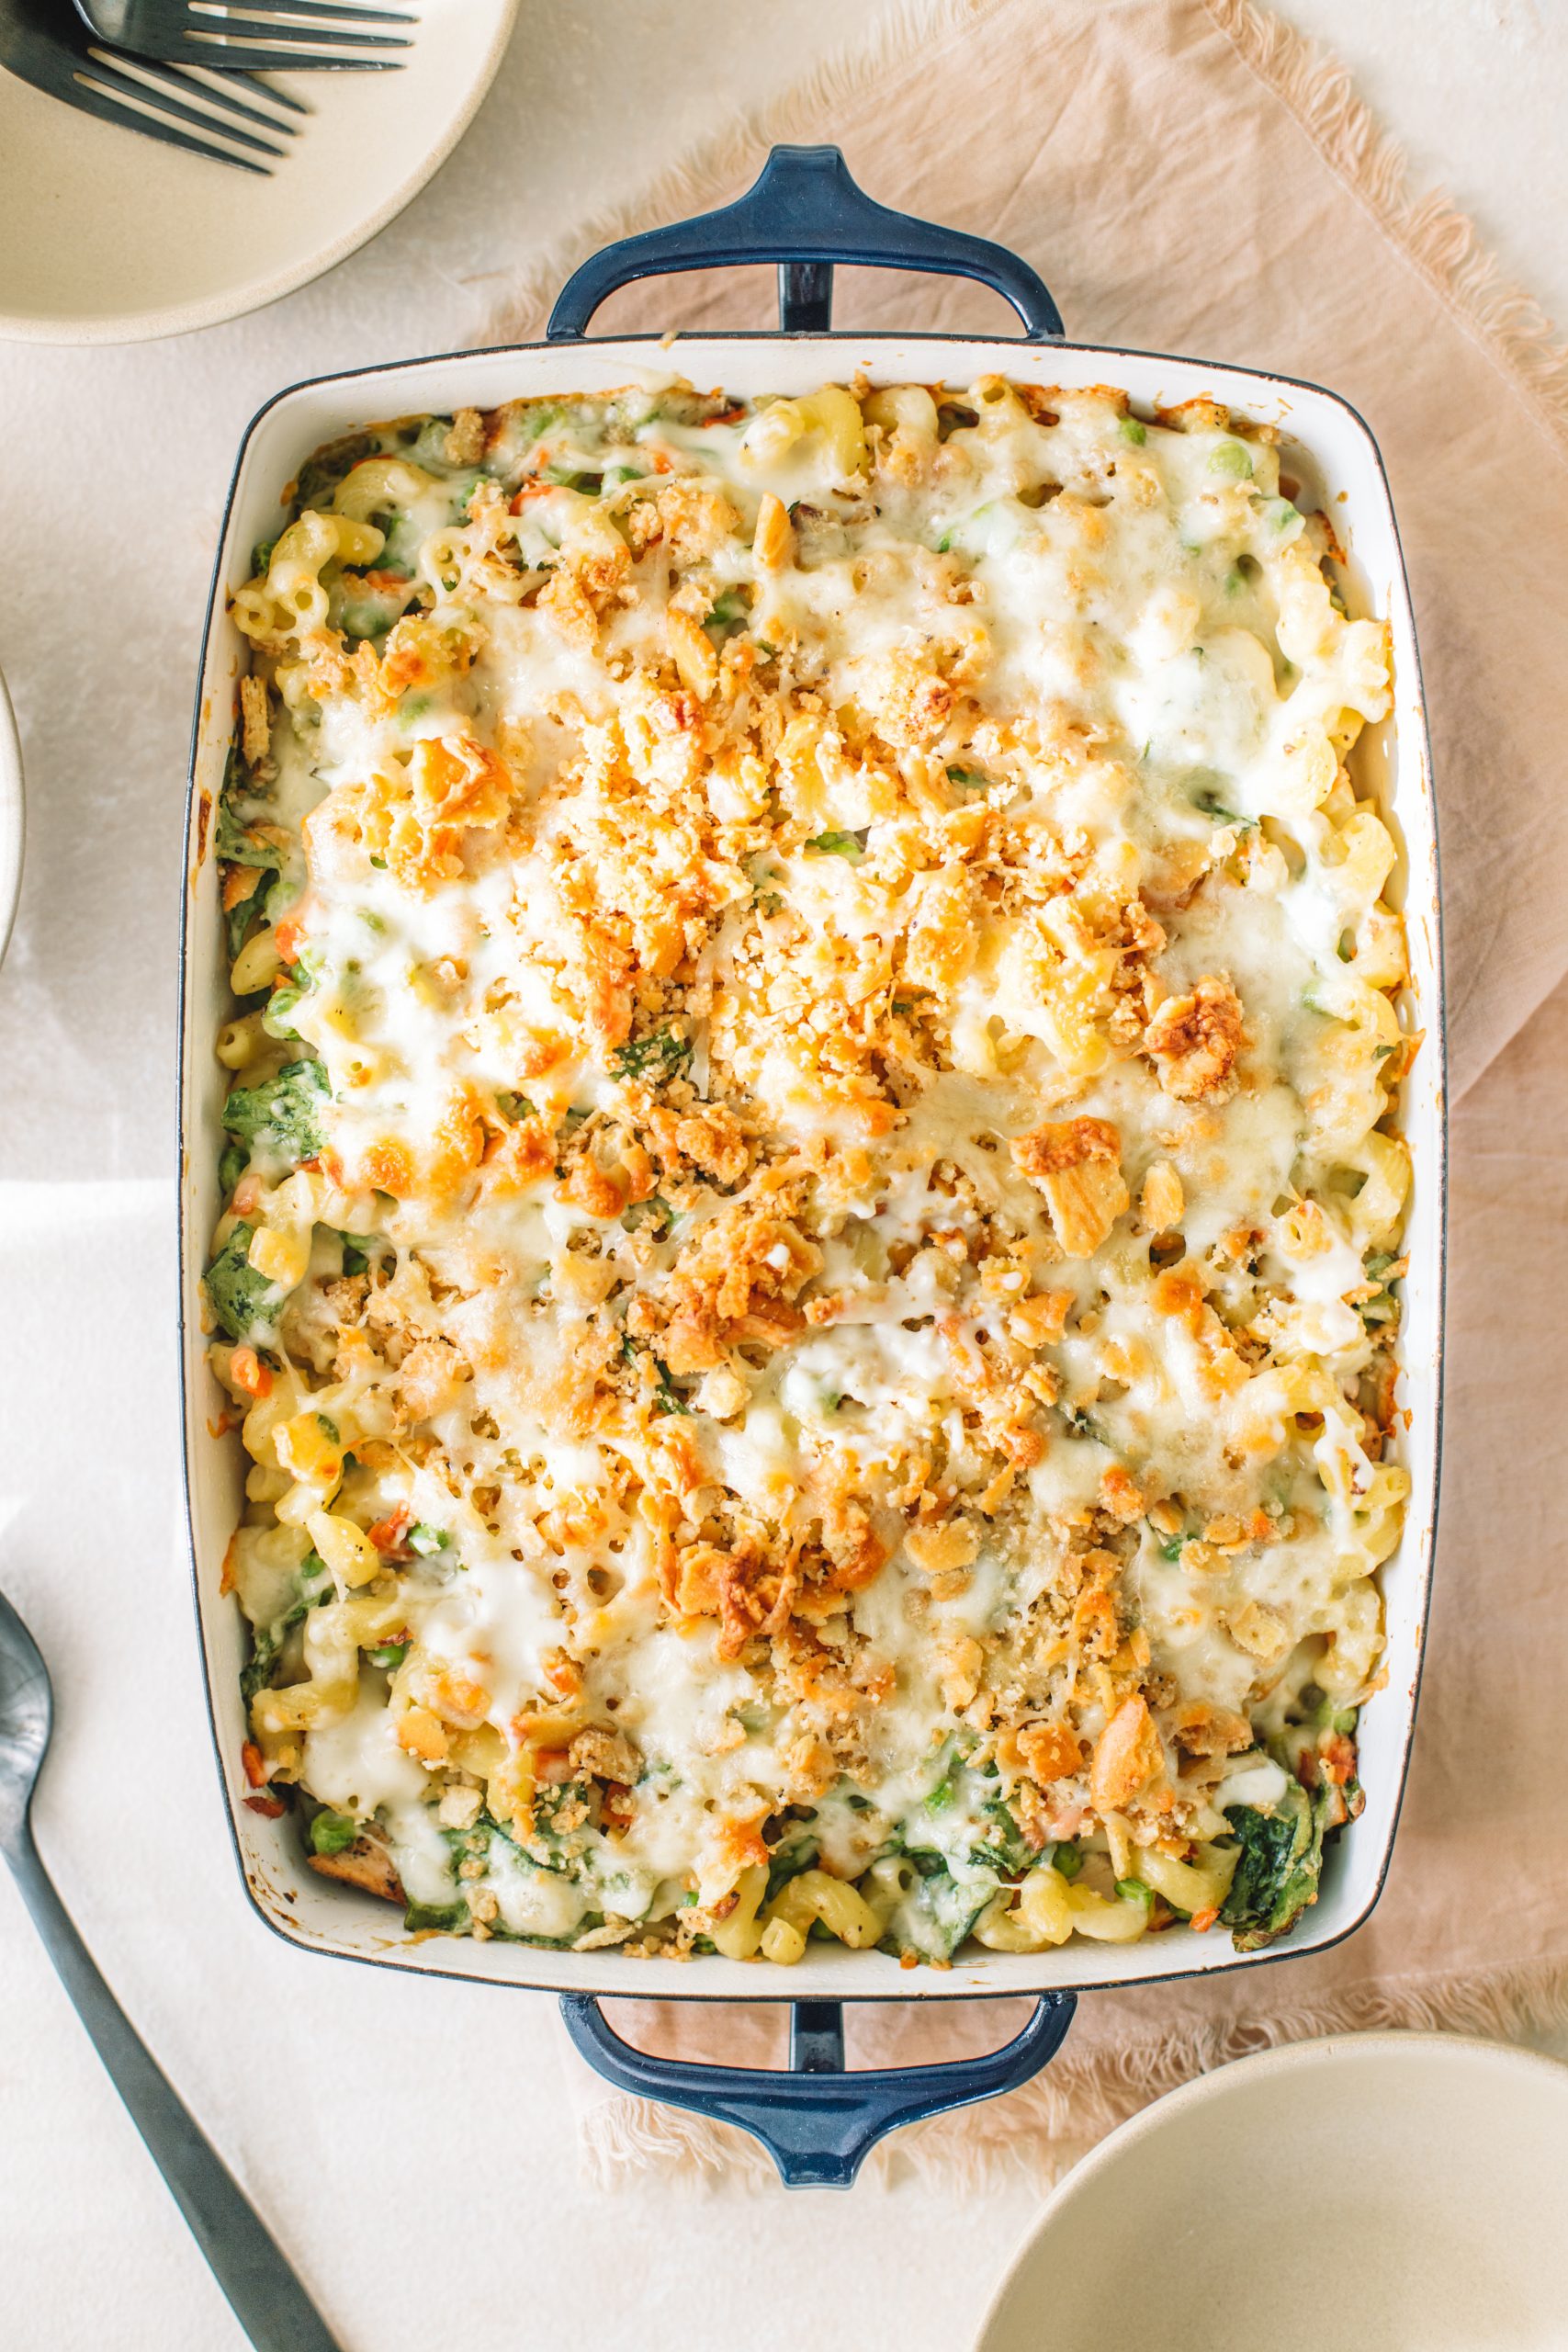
(410, 2142)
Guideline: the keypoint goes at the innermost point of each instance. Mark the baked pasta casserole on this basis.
(810, 1242)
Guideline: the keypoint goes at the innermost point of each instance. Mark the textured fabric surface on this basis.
(1187, 178)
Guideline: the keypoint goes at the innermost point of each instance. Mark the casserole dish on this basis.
(805, 215)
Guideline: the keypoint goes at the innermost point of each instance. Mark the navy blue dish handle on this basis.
(806, 214)
(816, 2123)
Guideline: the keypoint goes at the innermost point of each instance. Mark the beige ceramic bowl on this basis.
(1384, 2192)
(110, 238)
(10, 817)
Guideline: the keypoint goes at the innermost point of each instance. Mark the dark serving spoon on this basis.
(266, 2298)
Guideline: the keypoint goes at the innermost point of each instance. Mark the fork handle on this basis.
(247, 2262)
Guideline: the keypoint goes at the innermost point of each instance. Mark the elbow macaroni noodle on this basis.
(809, 1257)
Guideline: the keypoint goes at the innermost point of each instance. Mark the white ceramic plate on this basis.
(111, 238)
(1401, 2191)
(10, 819)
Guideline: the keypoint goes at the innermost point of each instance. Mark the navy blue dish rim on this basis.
(806, 215)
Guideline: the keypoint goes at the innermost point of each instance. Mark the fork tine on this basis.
(317, 8)
(316, 21)
(102, 65)
(186, 78)
(291, 60)
(108, 109)
(263, 89)
(228, 33)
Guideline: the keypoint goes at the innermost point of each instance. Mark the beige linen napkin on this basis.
(1188, 177)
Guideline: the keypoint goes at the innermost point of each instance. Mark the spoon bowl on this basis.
(26, 1719)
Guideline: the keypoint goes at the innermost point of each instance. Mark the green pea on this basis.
(331, 1832)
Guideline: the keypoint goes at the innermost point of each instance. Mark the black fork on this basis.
(258, 35)
(46, 46)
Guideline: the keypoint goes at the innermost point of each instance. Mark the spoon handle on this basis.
(266, 2298)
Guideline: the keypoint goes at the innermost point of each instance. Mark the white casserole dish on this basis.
(1330, 449)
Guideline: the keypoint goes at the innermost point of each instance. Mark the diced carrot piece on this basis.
(250, 1374)
(421, 1733)
(388, 1533)
(255, 1763)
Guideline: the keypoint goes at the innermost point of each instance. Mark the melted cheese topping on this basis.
(813, 1215)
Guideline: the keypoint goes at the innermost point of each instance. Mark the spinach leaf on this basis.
(537, 418)
(282, 1114)
(237, 842)
(238, 918)
(320, 475)
(240, 846)
(244, 1302)
(1277, 1876)
(447, 1919)
(257, 1674)
(730, 613)
(848, 845)
(1004, 1846)
(937, 1914)
(792, 1855)
(656, 1058)
(667, 1397)
(312, 1584)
